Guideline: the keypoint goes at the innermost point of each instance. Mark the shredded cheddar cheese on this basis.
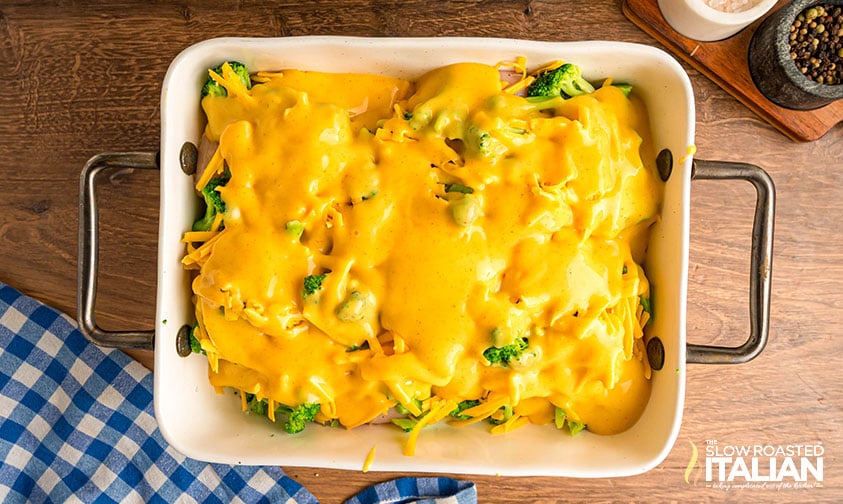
(440, 218)
(370, 458)
(689, 152)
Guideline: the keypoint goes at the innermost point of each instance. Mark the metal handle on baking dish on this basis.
(89, 249)
(761, 262)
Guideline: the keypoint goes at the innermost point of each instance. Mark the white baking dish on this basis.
(209, 426)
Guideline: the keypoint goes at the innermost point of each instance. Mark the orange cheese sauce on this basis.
(419, 280)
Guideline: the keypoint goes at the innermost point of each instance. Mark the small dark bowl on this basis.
(774, 72)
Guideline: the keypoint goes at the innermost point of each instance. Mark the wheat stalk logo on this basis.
(692, 464)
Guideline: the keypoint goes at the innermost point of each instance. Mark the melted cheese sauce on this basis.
(420, 281)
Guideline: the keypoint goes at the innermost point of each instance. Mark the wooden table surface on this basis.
(81, 78)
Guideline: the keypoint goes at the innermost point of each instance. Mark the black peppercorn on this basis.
(815, 44)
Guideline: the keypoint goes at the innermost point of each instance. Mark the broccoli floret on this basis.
(256, 406)
(401, 409)
(213, 202)
(647, 306)
(560, 419)
(502, 355)
(213, 88)
(419, 118)
(354, 308)
(445, 120)
(313, 283)
(565, 81)
(458, 188)
(195, 346)
(626, 89)
(495, 140)
(465, 210)
(295, 228)
(405, 424)
(298, 417)
(462, 406)
(502, 415)
(408, 422)
(540, 103)
(575, 427)
(482, 142)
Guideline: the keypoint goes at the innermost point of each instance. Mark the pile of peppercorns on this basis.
(816, 43)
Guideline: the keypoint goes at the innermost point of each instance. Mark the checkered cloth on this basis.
(77, 424)
(419, 491)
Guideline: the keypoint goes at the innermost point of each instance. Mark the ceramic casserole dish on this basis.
(208, 426)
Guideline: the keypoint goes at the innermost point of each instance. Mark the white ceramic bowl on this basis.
(697, 20)
(209, 426)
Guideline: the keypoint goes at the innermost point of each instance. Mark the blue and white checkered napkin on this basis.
(77, 424)
(418, 491)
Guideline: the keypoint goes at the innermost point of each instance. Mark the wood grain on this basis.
(84, 77)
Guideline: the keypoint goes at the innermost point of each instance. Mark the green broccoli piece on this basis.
(405, 424)
(354, 308)
(213, 202)
(560, 419)
(295, 228)
(542, 103)
(482, 142)
(502, 415)
(298, 417)
(419, 118)
(408, 422)
(647, 305)
(565, 81)
(504, 354)
(462, 406)
(404, 411)
(465, 210)
(458, 188)
(213, 88)
(313, 283)
(626, 89)
(195, 346)
(575, 427)
(256, 406)
(500, 137)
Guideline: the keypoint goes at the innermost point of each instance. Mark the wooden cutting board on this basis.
(725, 62)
